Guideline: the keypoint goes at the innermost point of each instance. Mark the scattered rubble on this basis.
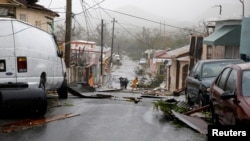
(25, 124)
(196, 118)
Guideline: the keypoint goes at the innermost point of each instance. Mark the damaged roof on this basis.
(178, 52)
(32, 5)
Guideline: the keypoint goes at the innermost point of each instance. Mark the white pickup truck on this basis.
(30, 65)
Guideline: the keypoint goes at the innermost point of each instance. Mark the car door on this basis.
(224, 108)
(229, 105)
(193, 82)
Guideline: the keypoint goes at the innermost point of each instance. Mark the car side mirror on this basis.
(227, 95)
(197, 76)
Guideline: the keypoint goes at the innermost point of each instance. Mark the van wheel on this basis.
(42, 109)
(63, 91)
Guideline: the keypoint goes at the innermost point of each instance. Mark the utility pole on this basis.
(102, 49)
(220, 9)
(68, 34)
(220, 6)
(112, 43)
(243, 7)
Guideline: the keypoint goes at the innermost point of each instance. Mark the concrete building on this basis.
(29, 11)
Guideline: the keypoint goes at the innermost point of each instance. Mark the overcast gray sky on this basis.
(178, 10)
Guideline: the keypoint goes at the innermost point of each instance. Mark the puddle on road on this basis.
(28, 123)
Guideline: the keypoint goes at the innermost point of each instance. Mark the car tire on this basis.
(214, 116)
(188, 98)
(201, 100)
(63, 90)
(238, 122)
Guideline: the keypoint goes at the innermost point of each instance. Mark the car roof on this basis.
(242, 66)
(221, 60)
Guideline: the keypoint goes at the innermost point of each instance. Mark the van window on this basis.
(6, 35)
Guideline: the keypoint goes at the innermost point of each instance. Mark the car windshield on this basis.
(212, 69)
(245, 83)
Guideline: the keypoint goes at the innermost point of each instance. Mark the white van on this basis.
(29, 57)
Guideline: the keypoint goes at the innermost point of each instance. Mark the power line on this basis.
(140, 18)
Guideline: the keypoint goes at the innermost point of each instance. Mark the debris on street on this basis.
(166, 106)
(133, 99)
(195, 118)
(128, 98)
(77, 92)
(194, 122)
(25, 124)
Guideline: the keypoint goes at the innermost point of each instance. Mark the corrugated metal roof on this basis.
(175, 53)
(179, 51)
(159, 52)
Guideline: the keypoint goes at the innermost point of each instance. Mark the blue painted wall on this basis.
(245, 39)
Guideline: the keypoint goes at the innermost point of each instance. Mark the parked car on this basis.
(30, 65)
(116, 58)
(142, 61)
(200, 78)
(230, 95)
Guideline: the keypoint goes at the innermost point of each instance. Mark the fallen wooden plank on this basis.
(197, 110)
(196, 123)
(28, 123)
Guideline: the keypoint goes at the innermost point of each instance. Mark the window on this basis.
(4, 11)
(162, 69)
(209, 52)
(193, 71)
(223, 78)
(231, 82)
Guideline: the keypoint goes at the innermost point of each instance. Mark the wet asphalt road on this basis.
(106, 120)
(109, 119)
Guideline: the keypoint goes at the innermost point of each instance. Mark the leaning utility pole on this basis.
(68, 36)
